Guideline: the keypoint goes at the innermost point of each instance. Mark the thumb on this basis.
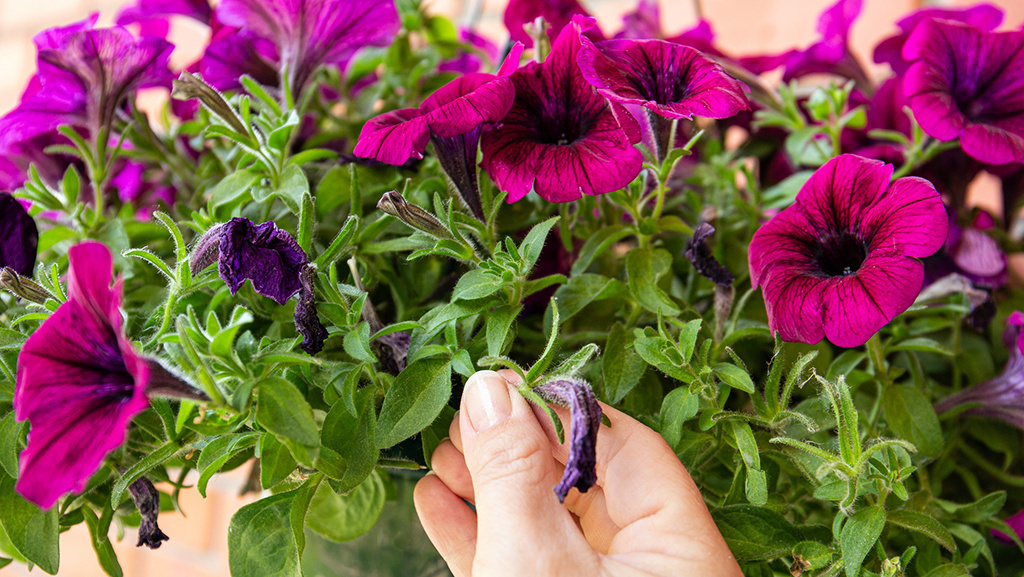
(509, 457)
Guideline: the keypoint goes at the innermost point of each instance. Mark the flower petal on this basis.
(858, 305)
(394, 137)
(838, 193)
(909, 217)
(585, 415)
(268, 256)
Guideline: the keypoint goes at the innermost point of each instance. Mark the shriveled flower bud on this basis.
(23, 287)
(580, 469)
(206, 251)
(700, 255)
(306, 320)
(189, 86)
(147, 501)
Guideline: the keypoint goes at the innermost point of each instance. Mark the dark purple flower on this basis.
(1016, 522)
(147, 502)
(671, 80)
(466, 61)
(311, 33)
(1000, 397)
(268, 256)
(969, 84)
(79, 382)
(890, 50)
(19, 236)
(561, 137)
(699, 254)
(307, 323)
(585, 414)
(841, 262)
(557, 13)
(451, 118)
(85, 75)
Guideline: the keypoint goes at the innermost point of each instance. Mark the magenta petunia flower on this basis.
(311, 33)
(153, 16)
(19, 237)
(585, 417)
(969, 84)
(557, 13)
(85, 75)
(890, 50)
(466, 61)
(561, 137)
(841, 262)
(80, 382)
(452, 119)
(671, 80)
(1000, 397)
(1016, 522)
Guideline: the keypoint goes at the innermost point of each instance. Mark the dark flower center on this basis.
(840, 254)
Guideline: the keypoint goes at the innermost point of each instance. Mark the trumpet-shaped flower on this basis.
(1000, 397)
(585, 417)
(969, 84)
(561, 137)
(19, 236)
(310, 33)
(890, 50)
(671, 80)
(557, 14)
(79, 382)
(452, 118)
(841, 262)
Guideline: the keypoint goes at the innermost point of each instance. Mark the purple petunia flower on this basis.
(452, 118)
(306, 33)
(153, 16)
(585, 414)
(841, 262)
(1000, 397)
(273, 261)
(1016, 522)
(557, 13)
(975, 254)
(80, 382)
(85, 75)
(671, 80)
(890, 50)
(466, 61)
(19, 236)
(969, 84)
(561, 137)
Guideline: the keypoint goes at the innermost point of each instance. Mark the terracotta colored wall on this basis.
(198, 546)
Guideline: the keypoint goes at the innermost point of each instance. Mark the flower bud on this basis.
(395, 204)
(23, 287)
(190, 86)
(206, 251)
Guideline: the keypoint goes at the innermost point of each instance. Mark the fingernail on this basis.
(486, 400)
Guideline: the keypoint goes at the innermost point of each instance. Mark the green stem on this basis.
(877, 355)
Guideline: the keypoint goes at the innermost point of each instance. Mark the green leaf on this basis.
(688, 338)
(622, 367)
(756, 481)
(923, 524)
(414, 400)
(348, 453)
(220, 451)
(756, 533)
(652, 350)
(293, 185)
(32, 531)
(345, 517)
(678, 407)
(140, 468)
(949, 570)
(432, 436)
(10, 436)
(105, 553)
(221, 343)
(814, 554)
(911, 416)
(734, 376)
(261, 541)
(597, 244)
(923, 345)
(584, 289)
(276, 461)
(644, 266)
(476, 284)
(499, 325)
(859, 535)
(534, 242)
(282, 410)
(232, 187)
(357, 344)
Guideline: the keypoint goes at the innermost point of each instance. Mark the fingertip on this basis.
(448, 522)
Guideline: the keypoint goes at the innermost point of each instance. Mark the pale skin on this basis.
(644, 517)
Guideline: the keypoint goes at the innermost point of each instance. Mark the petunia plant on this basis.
(292, 264)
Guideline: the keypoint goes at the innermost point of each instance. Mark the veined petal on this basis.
(268, 256)
(557, 13)
(909, 217)
(858, 305)
(394, 137)
(838, 193)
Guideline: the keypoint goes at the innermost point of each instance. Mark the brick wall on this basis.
(198, 545)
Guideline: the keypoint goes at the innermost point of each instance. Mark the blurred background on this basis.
(397, 546)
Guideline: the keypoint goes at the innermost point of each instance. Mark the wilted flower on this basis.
(585, 414)
(310, 33)
(890, 50)
(80, 382)
(452, 119)
(1000, 397)
(272, 260)
(968, 84)
(699, 254)
(147, 502)
(19, 236)
(561, 137)
(841, 262)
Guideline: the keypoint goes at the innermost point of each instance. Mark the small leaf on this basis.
(357, 344)
(923, 524)
(282, 410)
(911, 416)
(734, 376)
(261, 541)
(755, 533)
(414, 400)
(348, 453)
(276, 461)
(644, 266)
(859, 535)
(499, 325)
(621, 366)
(678, 407)
(344, 517)
(534, 242)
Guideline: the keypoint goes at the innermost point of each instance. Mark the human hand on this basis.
(645, 516)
